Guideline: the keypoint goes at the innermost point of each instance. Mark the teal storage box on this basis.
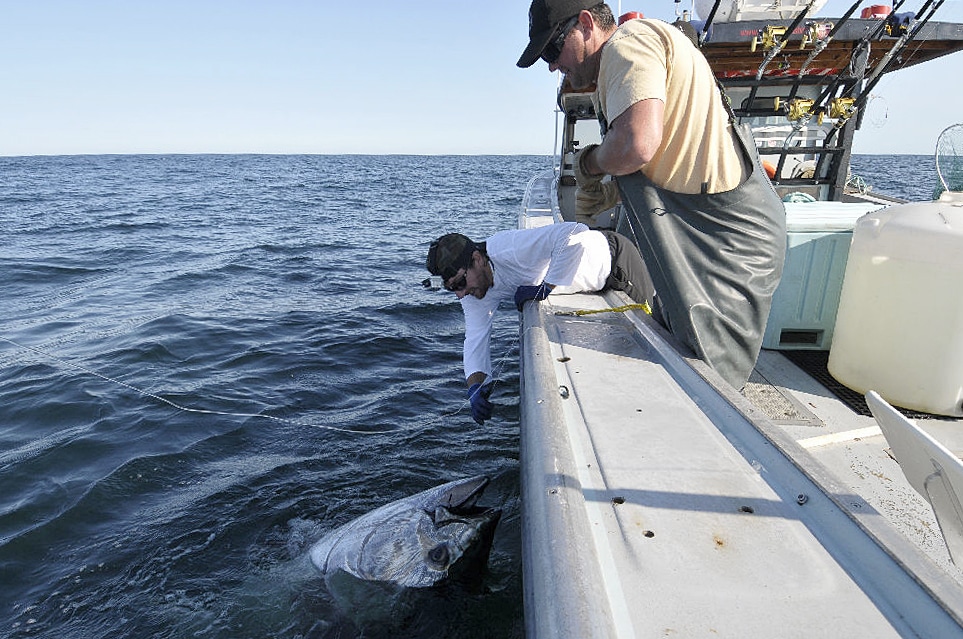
(804, 305)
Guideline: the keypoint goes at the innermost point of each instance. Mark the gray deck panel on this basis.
(632, 432)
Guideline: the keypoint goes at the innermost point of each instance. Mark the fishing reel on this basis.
(773, 36)
(816, 32)
(768, 37)
(840, 109)
(795, 110)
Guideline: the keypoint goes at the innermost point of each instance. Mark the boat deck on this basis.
(847, 439)
(705, 516)
(658, 501)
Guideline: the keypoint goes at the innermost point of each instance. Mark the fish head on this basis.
(418, 541)
(457, 542)
(443, 534)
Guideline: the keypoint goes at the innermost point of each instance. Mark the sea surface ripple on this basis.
(207, 362)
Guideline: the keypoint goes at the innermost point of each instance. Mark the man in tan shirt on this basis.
(709, 225)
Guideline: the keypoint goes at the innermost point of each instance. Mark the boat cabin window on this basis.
(587, 132)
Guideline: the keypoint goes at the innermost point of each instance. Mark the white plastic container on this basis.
(899, 328)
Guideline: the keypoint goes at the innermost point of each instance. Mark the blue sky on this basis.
(314, 76)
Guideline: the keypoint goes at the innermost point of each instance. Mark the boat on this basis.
(658, 501)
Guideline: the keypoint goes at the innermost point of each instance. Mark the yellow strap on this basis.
(644, 306)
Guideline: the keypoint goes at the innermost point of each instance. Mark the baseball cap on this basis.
(544, 17)
(449, 253)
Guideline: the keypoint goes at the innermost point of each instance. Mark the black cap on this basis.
(544, 17)
(449, 253)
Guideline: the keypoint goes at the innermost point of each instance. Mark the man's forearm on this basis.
(631, 141)
(615, 156)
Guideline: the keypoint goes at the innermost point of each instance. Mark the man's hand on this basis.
(583, 178)
(592, 196)
(591, 202)
(525, 293)
(481, 408)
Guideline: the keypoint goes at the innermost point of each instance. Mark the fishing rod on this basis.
(821, 44)
(886, 64)
(861, 48)
(779, 42)
(782, 40)
(883, 66)
(844, 112)
(705, 28)
(843, 106)
(861, 44)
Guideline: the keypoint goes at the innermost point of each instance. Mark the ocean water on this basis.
(908, 177)
(207, 362)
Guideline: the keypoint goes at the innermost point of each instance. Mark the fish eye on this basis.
(438, 555)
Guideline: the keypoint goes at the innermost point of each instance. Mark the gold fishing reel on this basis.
(797, 109)
(768, 37)
(842, 108)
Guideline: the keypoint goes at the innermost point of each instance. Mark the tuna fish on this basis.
(415, 542)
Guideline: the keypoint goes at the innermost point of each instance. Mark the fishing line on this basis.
(187, 409)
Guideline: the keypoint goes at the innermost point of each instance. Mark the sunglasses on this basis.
(460, 284)
(554, 47)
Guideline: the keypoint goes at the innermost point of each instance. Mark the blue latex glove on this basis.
(525, 293)
(481, 408)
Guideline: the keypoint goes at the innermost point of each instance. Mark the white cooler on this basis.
(804, 305)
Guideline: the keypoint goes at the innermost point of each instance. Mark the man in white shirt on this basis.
(527, 265)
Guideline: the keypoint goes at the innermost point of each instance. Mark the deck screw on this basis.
(802, 498)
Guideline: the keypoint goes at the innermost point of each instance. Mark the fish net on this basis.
(949, 158)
